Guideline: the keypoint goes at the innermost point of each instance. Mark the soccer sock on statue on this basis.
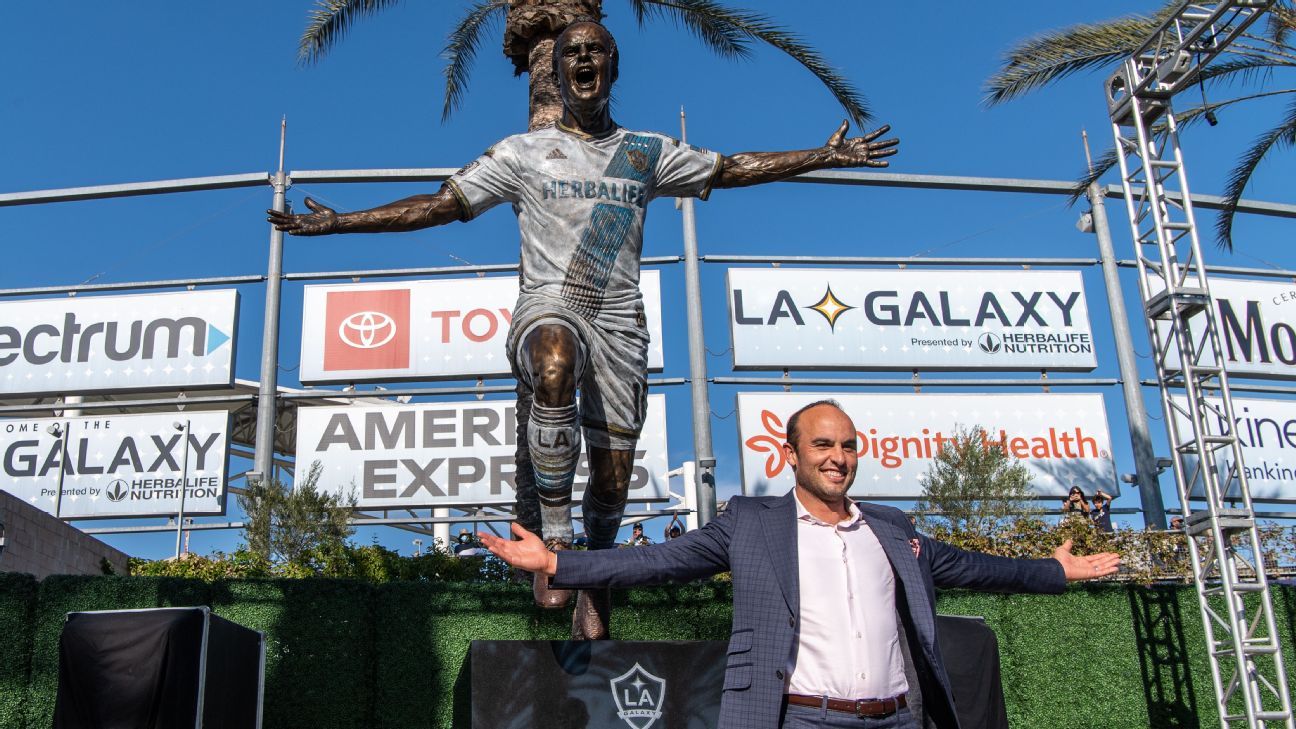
(553, 435)
(601, 520)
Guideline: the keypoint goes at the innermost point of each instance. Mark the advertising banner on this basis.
(903, 320)
(1062, 440)
(118, 343)
(423, 330)
(444, 454)
(1257, 326)
(118, 465)
(1266, 431)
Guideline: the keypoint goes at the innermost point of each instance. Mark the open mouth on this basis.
(586, 77)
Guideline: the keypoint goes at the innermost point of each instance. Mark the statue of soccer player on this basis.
(580, 190)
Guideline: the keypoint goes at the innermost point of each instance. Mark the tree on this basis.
(302, 527)
(974, 484)
(1248, 67)
(532, 26)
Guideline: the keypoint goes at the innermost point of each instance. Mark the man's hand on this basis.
(860, 151)
(527, 554)
(321, 221)
(1085, 568)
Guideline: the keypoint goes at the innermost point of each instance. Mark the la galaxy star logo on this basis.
(638, 696)
(638, 159)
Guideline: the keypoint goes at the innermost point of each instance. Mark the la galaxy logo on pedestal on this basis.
(638, 696)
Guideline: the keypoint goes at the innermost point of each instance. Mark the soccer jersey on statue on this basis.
(580, 203)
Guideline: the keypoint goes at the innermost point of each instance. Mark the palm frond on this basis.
(1282, 135)
(727, 31)
(1282, 21)
(1241, 69)
(1057, 54)
(461, 50)
(713, 28)
(329, 20)
(1105, 161)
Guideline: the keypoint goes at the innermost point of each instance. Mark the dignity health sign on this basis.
(444, 454)
(117, 343)
(117, 465)
(424, 329)
(902, 320)
(1061, 439)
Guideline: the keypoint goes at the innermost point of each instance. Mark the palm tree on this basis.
(531, 26)
(1247, 68)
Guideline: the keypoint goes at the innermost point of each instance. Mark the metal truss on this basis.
(1228, 565)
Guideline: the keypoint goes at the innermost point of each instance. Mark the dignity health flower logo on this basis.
(771, 443)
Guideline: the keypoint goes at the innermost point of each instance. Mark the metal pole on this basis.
(265, 423)
(705, 478)
(184, 485)
(1144, 459)
(61, 431)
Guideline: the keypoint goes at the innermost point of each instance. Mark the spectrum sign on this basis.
(118, 343)
(422, 330)
(905, 320)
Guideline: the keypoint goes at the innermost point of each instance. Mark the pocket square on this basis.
(916, 546)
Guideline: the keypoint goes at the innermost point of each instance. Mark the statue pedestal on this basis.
(521, 684)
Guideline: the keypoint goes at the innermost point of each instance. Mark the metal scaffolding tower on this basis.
(1228, 569)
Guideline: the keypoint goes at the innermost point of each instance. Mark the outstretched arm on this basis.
(412, 213)
(754, 168)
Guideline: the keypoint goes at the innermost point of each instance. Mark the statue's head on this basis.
(585, 65)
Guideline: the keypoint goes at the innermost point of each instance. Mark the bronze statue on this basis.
(580, 190)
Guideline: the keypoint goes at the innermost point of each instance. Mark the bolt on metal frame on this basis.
(1233, 593)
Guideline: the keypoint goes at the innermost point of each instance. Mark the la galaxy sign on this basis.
(902, 320)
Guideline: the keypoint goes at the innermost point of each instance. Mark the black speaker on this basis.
(166, 668)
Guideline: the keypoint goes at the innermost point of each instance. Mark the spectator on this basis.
(637, 538)
(1177, 524)
(1101, 512)
(674, 529)
(1075, 503)
(466, 544)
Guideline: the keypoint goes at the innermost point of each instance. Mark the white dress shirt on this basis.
(847, 644)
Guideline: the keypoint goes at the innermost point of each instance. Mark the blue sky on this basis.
(100, 93)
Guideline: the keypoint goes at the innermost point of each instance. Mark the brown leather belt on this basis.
(862, 707)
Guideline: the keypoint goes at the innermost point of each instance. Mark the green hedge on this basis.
(17, 611)
(354, 654)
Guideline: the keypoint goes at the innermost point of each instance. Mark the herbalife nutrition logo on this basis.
(990, 343)
(117, 490)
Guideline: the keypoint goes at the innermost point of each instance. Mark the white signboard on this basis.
(1062, 439)
(902, 320)
(444, 454)
(418, 330)
(118, 465)
(1266, 430)
(1257, 326)
(117, 343)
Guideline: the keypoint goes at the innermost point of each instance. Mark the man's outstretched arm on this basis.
(412, 213)
(754, 168)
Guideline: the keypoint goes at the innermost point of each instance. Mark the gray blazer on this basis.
(755, 540)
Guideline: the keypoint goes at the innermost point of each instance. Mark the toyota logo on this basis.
(367, 329)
